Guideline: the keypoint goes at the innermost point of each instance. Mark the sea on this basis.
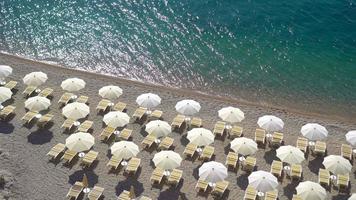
(298, 55)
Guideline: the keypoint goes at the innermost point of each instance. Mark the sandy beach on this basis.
(28, 174)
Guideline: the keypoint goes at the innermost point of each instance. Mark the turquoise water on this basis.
(298, 54)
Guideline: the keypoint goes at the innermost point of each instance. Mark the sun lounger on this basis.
(324, 178)
(29, 90)
(249, 164)
(68, 156)
(125, 195)
(144, 198)
(277, 139)
(346, 152)
(207, 153)
(302, 144)
(133, 165)
(166, 143)
(44, 120)
(277, 168)
(75, 190)
(114, 162)
(296, 172)
(271, 195)
(89, 158)
(201, 186)
(296, 197)
(85, 126)
(157, 176)
(56, 150)
(156, 114)
(29, 116)
(231, 160)
(11, 85)
(219, 128)
(68, 124)
(175, 177)
(148, 141)
(83, 99)
(107, 133)
(250, 193)
(343, 182)
(178, 121)
(139, 113)
(190, 150)
(95, 193)
(65, 98)
(236, 131)
(125, 134)
(120, 106)
(320, 148)
(220, 188)
(103, 105)
(196, 122)
(46, 92)
(260, 137)
(6, 112)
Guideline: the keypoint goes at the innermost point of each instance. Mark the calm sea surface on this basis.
(297, 54)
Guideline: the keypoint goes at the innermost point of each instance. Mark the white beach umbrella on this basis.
(353, 197)
(351, 137)
(337, 165)
(212, 172)
(73, 84)
(116, 119)
(124, 149)
(290, 154)
(167, 160)
(148, 100)
(80, 141)
(270, 123)
(231, 114)
(5, 94)
(314, 131)
(158, 128)
(243, 146)
(35, 78)
(5, 71)
(75, 110)
(308, 190)
(110, 92)
(37, 103)
(200, 136)
(263, 181)
(188, 107)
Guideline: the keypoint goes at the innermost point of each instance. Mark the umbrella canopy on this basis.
(263, 181)
(5, 94)
(244, 146)
(337, 164)
(212, 172)
(148, 100)
(308, 190)
(314, 131)
(270, 123)
(80, 141)
(290, 154)
(353, 197)
(110, 92)
(116, 119)
(158, 128)
(200, 136)
(124, 149)
(188, 107)
(5, 71)
(35, 78)
(351, 137)
(73, 84)
(231, 114)
(37, 103)
(167, 160)
(75, 110)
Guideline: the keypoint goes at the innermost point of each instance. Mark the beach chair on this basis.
(236, 131)
(157, 176)
(324, 178)
(219, 128)
(139, 113)
(190, 150)
(296, 172)
(89, 158)
(144, 198)
(6, 112)
(44, 120)
(85, 126)
(56, 150)
(133, 165)
(201, 186)
(271, 195)
(125, 195)
(95, 193)
(120, 106)
(29, 90)
(302, 144)
(277, 139)
(277, 168)
(260, 137)
(249, 164)
(175, 177)
(114, 162)
(68, 156)
(296, 197)
(125, 134)
(65, 98)
(103, 105)
(107, 133)
(250, 193)
(320, 148)
(220, 188)
(196, 122)
(207, 153)
(68, 124)
(343, 182)
(346, 151)
(29, 116)
(231, 160)
(178, 121)
(75, 190)
(156, 114)
(11, 85)
(47, 92)
(148, 141)
(166, 143)
(83, 99)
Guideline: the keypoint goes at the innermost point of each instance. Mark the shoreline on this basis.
(190, 92)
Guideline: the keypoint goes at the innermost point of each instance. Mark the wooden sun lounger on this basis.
(296, 197)
(157, 176)
(56, 150)
(271, 195)
(85, 126)
(346, 152)
(46, 92)
(302, 144)
(95, 193)
(296, 172)
(220, 188)
(65, 98)
(68, 156)
(6, 112)
(29, 90)
(175, 177)
(107, 133)
(219, 128)
(156, 114)
(125, 195)
(190, 150)
(89, 158)
(320, 148)
(148, 141)
(75, 190)
(207, 153)
(11, 85)
(260, 136)
(166, 143)
(29, 116)
(103, 105)
(343, 182)
(68, 124)
(231, 160)
(250, 193)
(324, 178)
(114, 162)
(249, 164)
(139, 113)
(178, 121)
(277, 139)
(196, 122)
(125, 134)
(201, 186)
(277, 168)
(44, 120)
(133, 165)
(236, 131)
(83, 99)
(120, 106)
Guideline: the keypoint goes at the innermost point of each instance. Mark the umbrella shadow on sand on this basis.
(289, 190)
(40, 137)
(173, 193)
(270, 156)
(126, 185)
(78, 176)
(316, 164)
(242, 181)
(6, 128)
